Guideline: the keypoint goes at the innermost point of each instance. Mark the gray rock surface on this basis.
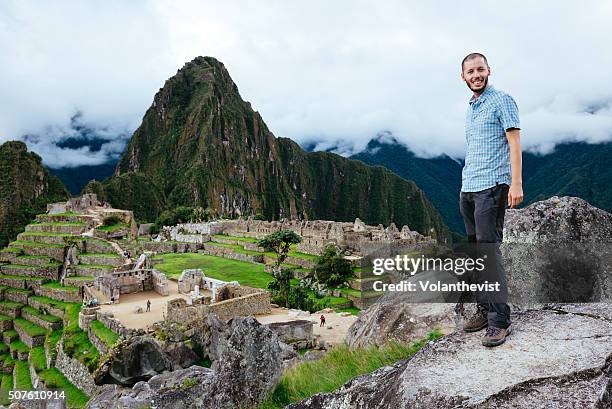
(557, 359)
(558, 250)
(137, 359)
(393, 318)
(247, 363)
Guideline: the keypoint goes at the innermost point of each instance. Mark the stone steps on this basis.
(11, 308)
(19, 350)
(79, 281)
(45, 238)
(8, 254)
(21, 281)
(9, 336)
(101, 259)
(17, 295)
(31, 334)
(50, 271)
(48, 321)
(65, 218)
(93, 270)
(54, 251)
(28, 260)
(6, 323)
(66, 228)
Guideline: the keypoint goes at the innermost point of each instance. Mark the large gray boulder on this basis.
(557, 359)
(137, 359)
(558, 250)
(393, 318)
(247, 363)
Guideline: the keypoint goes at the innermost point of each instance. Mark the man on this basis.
(148, 305)
(491, 178)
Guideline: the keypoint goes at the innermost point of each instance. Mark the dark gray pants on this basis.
(483, 214)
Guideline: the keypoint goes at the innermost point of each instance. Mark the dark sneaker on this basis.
(496, 336)
(476, 322)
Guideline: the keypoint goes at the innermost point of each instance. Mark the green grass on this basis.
(81, 278)
(58, 223)
(60, 305)
(18, 290)
(352, 310)
(11, 250)
(53, 378)
(76, 342)
(38, 358)
(46, 317)
(58, 285)
(237, 238)
(51, 341)
(3, 348)
(11, 304)
(104, 266)
(22, 376)
(249, 274)
(5, 388)
(112, 228)
(41, 279)
(46, 234)
(101, 254)
(18, 346)
(11, 333)
(59, 214)
(350, 291)
(337, 367)
(34, 244)
(105, 334)
(29, 327)
(5, 318)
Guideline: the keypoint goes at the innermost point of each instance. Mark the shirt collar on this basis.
(482, 96)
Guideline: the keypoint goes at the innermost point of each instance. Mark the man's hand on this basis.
(515, 195)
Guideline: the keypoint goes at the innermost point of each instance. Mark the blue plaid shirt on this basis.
(487, 159)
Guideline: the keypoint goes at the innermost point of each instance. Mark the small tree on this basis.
(281, 286)
(280, 242)
(332, 269)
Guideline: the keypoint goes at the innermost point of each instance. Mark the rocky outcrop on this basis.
(392, 317)
(137, 359)
(558, 358)
(558, 250)
(247, 360)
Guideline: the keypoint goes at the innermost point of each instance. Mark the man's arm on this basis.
(515, 194)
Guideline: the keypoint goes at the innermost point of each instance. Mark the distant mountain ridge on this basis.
(200, 144)
(572, 169)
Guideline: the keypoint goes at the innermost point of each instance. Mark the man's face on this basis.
(476, 74)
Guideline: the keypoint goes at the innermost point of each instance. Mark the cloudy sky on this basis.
(316, 70)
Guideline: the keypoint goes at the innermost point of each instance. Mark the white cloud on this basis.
(315, 70)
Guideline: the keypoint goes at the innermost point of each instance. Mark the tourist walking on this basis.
(491, 179)
(148, 305)
(322, 319)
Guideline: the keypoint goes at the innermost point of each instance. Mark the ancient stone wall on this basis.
(38, 321)
(30, 341)
(58, 294)
(114, 324)
(256, 301)
(45, 307)
(231, 254)
(75, 371)
(297, 333)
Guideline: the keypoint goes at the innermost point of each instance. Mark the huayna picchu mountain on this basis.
(201, 144)
(25, 189)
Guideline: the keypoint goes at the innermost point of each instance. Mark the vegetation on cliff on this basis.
(25, 189)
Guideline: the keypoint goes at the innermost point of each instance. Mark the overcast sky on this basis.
(315, 70)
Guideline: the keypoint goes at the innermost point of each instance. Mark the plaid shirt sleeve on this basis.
(508, 113)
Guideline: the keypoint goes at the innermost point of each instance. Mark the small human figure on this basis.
(322, 324)
(148, 305)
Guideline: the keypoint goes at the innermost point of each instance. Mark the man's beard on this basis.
(479, 90)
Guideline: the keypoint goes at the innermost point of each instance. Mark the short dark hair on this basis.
(471, 56)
